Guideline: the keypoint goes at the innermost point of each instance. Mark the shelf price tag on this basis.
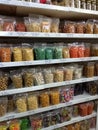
(67, 82)
(10, 117)
(69, 103)
(47, 61)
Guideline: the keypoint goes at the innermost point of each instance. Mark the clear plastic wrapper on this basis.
(4, 78)
(1, 23)
(36, 122)
(90, 107)
(28, 78)
(89, 69)
(66, 53)
(83, 109)
(60, 2)
(70, 127)
(49, 53)
(24, 124)
(83, 4)
(21, 103)
(45, 24)
(33, 24)
(32, 101)
(92, 122)
(87, 50)
(66, 114)
(69, 27)
(80, 27)
(88, 4)
(58, 52)
(75, 111)
(78, 89)
(3, 126)
(55, 117)
(48, 76)
(78, 72)
(81, 49)
(3, 106)
(96, 27)
(58, 75)
(27, 52)
(96, 68)
(8, 24)
(10, 106)
(89, 26)
(77, 126)
(39, 52)
(77, 3)
(68, 73)
(54, 96)
(14, 124)
(16, 77)
(73, 48)
(46, 120)
(94, 50)
(38, 78)
(55, 25)
(5, 52)
(17, 53)
(44, 99)
(20, 26)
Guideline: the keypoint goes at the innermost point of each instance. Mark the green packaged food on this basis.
(39, 53)
(48, 53)
(57, 52)
(24, 124)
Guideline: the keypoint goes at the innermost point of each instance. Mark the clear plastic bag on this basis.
(89, 27)
(16, 77)
(73, 48)
(28, 78)
(96, 27)
(20, 26)
(58, 48)
(44, 99)
(54, 96)
(4, 78)
(65, 52)
(58, 75)
(45, 24)
(69, 27)
(5, 52)
(49, 52)
(8, 24)
(55, 25)
(3, 106)
(14, 124)
(80, 27)
(46, 120)
(68, 73)
(27, 52)
(32, 101)
(21, 103)
(10, 106)
(17, 53)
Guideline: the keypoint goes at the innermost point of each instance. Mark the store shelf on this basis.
(46, 62)
(73, 120)
(45, 86)
(76, 100)
(46, 35)
(24, 8)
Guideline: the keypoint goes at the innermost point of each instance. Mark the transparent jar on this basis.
(88, 4)
(83, 4)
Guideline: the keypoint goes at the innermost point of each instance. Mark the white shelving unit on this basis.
(24, 8)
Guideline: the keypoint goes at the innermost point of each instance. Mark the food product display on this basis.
(32, 101)
(55, 117)
(16, 77)
(54, 97)
(3, 106)
(15, 124)
(46, 119)
(10, 105)
(44, 99)
(68, 73)
(24, 125)
(59, 75)
(17, 54)
(69, 27)
(21, 103)
(48, 76)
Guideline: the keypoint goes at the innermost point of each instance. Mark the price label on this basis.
(69, 103)
(67, 82)
(4, 93)
(47, 61)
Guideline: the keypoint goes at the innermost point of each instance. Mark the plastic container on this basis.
(44, 99)
(14, 124)
(54, 97)
(90, 107)
(3, 106)
(24, 124)
(16, 77)
(83, 4)
(87, 50)
(88, 5)
(77, 3)
(32, 101)
(55, 117)
(96, 27)
(75, 111)
(17, 53)
(78, 72)
(73, 50)
(49, 53)
(20, 26)
(21, 103)
(58, 51)
(83, 110)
